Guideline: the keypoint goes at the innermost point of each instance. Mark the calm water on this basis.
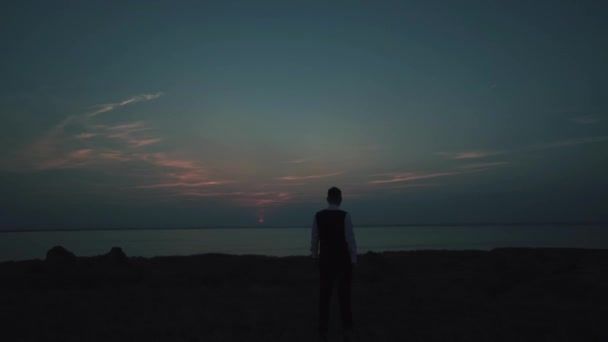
(295, 241)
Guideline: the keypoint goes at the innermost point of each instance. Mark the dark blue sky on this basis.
(190, 113)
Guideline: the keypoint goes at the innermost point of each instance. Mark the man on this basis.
(333, 245)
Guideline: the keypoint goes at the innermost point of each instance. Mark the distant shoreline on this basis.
(473, 224)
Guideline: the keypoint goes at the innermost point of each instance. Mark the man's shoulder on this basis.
(324, 211)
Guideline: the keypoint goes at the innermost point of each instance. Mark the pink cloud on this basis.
(182, 164)
(297, 178)
(162, 159)
(243, 198)
(85, 135)
(128, 134)
(78, 158)
(183, 185)
(208, 194)
(264, 199)
(114, 155)
(144, 142)
(189, 175)
(409, 176)
(81, 153)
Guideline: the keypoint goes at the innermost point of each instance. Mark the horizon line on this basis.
(258, 226)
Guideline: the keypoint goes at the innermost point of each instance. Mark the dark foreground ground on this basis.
(502, 295)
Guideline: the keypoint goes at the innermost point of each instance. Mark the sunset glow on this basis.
(117, 114)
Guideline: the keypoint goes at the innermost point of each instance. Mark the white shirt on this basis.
(349, 236)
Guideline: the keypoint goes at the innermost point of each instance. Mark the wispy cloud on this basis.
(133, 151)
(183, 173)
(244, 198)
(407, 185)
(85, 135)
(130, 133)
(468, 154)
(189, 175)
(265, 199)
(416, 185)
(114, 156)
(308, 177)
(163, 159)
(207, 194)
(55, 149)
(569, 142)
(111, 106)
(83, 153)
(72, 159)
(479, 166)
(407, 177)
(144, 142)
(183, 185)
(127, 127)
(482, 154)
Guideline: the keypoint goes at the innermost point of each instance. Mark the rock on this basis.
(116, 256)
(60, 255)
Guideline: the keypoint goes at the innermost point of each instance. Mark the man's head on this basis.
(334, 196)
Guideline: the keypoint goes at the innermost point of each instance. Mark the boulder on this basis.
(60, 255)
(116, 256)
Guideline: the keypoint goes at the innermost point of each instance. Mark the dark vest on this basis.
(333, 249)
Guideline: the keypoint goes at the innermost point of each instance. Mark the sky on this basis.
(135, 114)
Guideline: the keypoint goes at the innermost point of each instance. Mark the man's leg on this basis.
(326, 284)
(344, 296)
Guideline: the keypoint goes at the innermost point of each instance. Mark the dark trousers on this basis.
(329, 275)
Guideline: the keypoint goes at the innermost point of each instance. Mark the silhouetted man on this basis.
(333, 243)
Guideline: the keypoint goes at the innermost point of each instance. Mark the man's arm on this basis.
(349, 235)
(314, 239)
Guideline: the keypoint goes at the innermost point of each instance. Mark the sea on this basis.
(278, 241)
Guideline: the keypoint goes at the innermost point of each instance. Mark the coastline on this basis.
(506, 294)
